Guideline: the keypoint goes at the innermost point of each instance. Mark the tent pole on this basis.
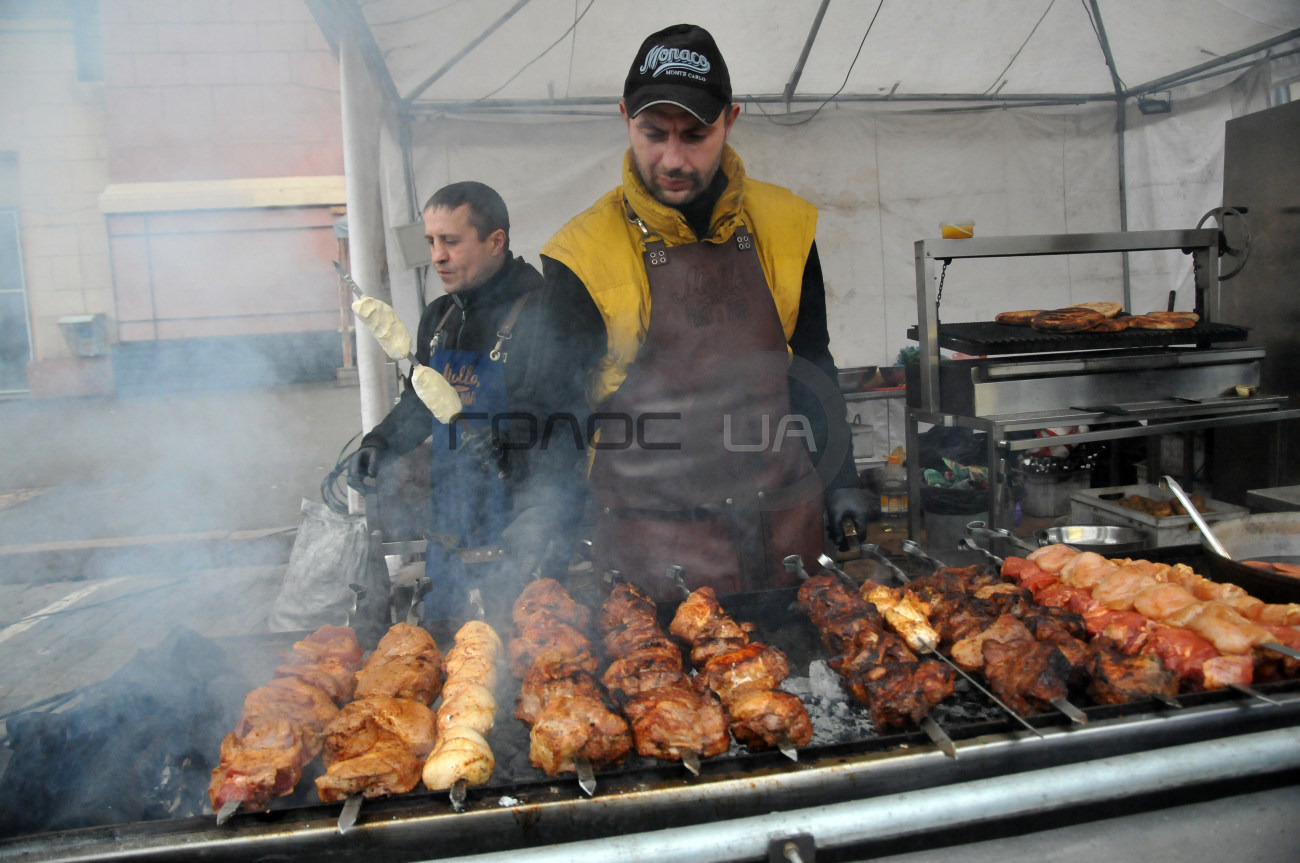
(803, 55)
(1121, 126)
(360, 98)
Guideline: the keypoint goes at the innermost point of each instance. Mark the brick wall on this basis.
(218, 89)
(55, 125)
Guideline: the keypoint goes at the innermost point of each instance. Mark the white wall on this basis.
(882, 179)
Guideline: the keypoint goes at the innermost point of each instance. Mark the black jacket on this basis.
(472, 326)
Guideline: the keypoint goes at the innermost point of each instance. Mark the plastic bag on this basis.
(331, 552)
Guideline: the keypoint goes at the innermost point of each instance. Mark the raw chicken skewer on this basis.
(461, 757)
(439, 396)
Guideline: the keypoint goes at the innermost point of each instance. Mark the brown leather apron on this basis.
(699, 463)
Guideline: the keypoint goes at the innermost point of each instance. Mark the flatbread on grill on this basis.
(1020, 319)
(1153, 322)
(1066, 320)
(1109, 325)
(1189, 314)
(1108, 308)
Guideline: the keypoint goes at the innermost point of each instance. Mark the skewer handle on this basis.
(794, 565)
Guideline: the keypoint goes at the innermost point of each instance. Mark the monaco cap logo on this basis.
(661, 59)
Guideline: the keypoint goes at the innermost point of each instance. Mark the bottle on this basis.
(893, 495)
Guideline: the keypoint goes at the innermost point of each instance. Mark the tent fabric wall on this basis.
(882, 178)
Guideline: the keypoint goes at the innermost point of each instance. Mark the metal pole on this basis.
(359, 98)
(950, 807)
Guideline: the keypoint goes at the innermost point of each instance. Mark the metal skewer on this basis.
(226, 811)
(457, 794)
(348, 816)
(586, 776)
(939, 737)
(998, 701)
(871, 550)
(1075, 714)
(788, 749)
(913, 549)
(965, 544)
(1167, 700)
(1288, 652)
(677, 575)
(828, 562)
(794, 565)
(358, 594)
(691, 761)
(422, 587)
(1253, 693)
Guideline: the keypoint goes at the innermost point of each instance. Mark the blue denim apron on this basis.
(471, 500)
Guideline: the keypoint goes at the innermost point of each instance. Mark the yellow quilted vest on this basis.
(603, 249)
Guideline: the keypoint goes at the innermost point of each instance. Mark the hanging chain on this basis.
(938, 298)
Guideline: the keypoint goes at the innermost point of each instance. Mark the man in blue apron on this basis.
(692, 297)
(493, 486)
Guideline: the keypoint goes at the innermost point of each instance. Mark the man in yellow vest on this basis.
(691, 304)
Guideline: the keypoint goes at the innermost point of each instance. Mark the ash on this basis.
(836, 717)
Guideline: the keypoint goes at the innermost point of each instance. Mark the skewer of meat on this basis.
(282, 725)
(461, 756)
(376, 746)
(879, 669)
(1029, 654)
(1213, 635)
(669, 718)
(572, 728)
(743, 674)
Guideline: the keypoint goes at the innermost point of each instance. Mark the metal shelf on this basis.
(1141, 418)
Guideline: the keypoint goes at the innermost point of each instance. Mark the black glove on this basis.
(850, 503)
(364, 465)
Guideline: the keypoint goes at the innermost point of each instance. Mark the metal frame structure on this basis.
(1201, 244)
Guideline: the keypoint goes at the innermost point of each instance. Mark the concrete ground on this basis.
(122, 518)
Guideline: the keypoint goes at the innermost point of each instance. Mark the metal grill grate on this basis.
(987, 337)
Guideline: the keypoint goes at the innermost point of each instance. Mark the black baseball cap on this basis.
(679, 65)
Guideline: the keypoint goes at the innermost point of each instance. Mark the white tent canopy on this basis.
(889, 115)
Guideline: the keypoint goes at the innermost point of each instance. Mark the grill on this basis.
(846, 775)
(988, 337)
(1127, 384)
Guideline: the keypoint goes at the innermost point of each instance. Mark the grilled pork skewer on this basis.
(1046, 688)
(880, 671)
(668, 717)
(744, 675)
(377, 743)
(282, 723)
(572, 728)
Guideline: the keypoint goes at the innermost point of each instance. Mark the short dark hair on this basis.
(487, 211)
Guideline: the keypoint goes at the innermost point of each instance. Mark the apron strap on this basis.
(508, 325)
(435, 340)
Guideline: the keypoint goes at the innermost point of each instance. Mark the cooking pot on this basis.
(1270, 536)
(1105, 539)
